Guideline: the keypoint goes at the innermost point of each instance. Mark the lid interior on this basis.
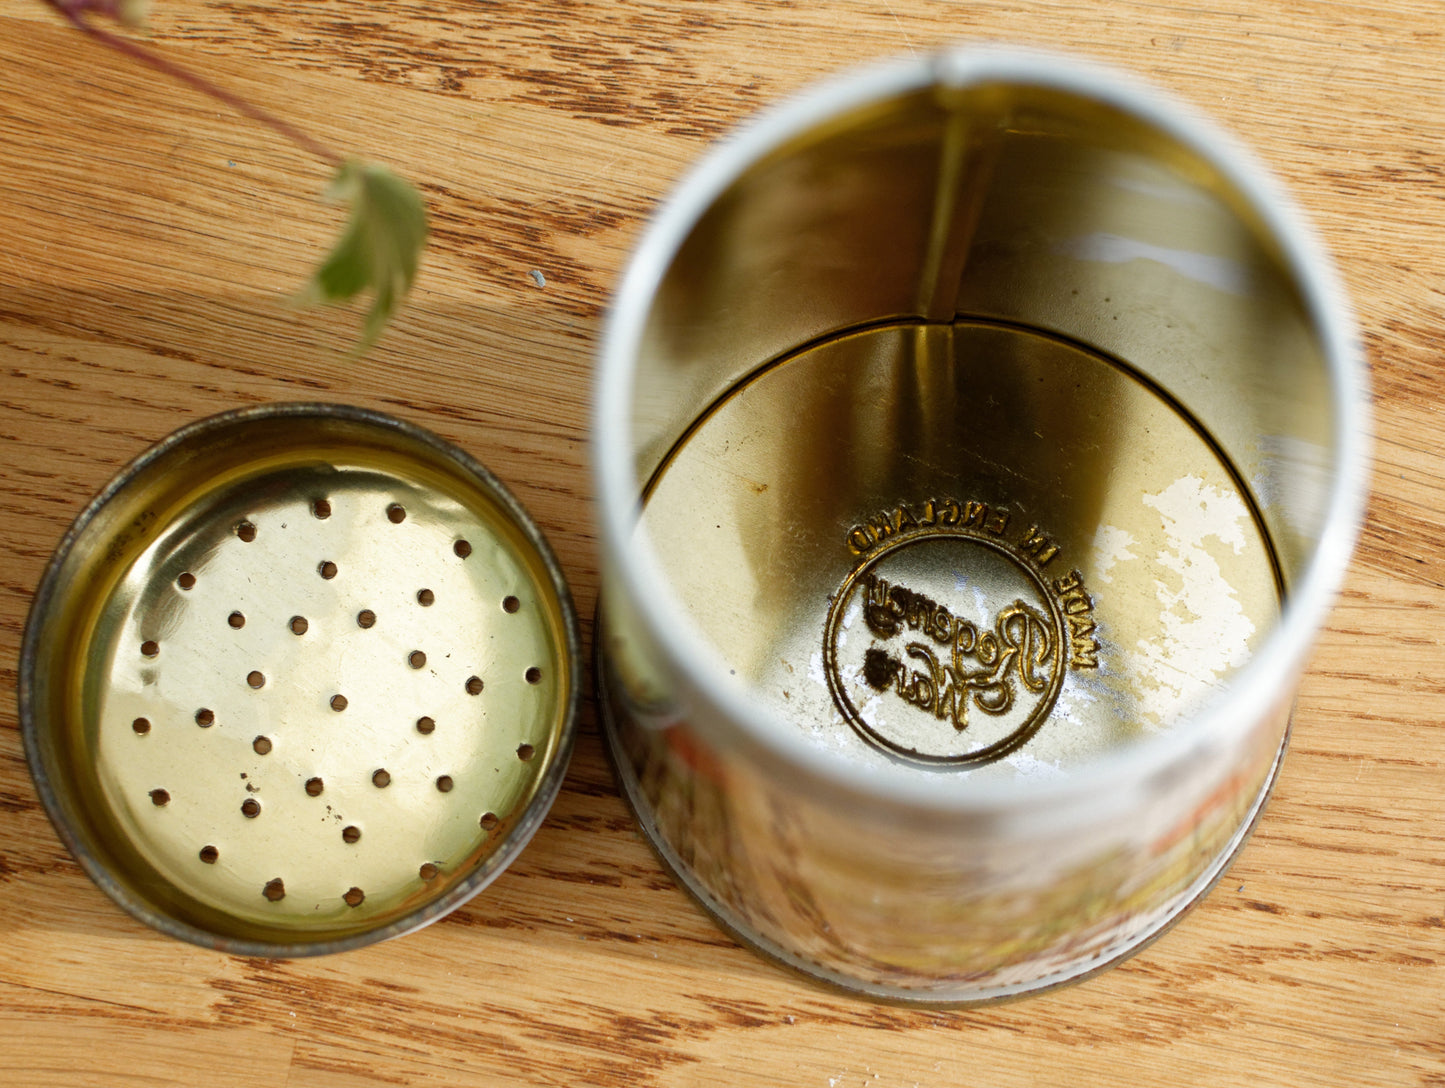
(302, 679)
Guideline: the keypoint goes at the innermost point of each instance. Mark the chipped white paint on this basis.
(816, 672)
(1204, 631)
(1029, 766)
(1111, 546)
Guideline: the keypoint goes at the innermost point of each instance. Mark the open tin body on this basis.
(301, 678)
(979, 443)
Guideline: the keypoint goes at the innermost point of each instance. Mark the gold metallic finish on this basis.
(980, 439)
(1001, 530)
(232, 657)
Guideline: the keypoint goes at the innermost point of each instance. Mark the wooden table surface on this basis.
(149, 240)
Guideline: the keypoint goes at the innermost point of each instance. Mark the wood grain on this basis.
(148, 244)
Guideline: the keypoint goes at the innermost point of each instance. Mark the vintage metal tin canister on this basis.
(979, 442)
(301, 678)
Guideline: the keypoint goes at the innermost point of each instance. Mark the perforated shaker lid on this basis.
(301, 678)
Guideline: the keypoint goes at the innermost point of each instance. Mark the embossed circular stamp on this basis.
(949, 640)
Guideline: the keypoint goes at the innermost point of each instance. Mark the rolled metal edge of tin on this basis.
(633, 560)
(430, 911)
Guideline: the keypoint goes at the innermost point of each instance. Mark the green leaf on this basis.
(379, 249)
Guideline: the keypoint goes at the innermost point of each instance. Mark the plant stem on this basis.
(74, 12)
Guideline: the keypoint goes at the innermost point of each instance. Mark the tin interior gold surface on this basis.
(971, 546)
(306, 678)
